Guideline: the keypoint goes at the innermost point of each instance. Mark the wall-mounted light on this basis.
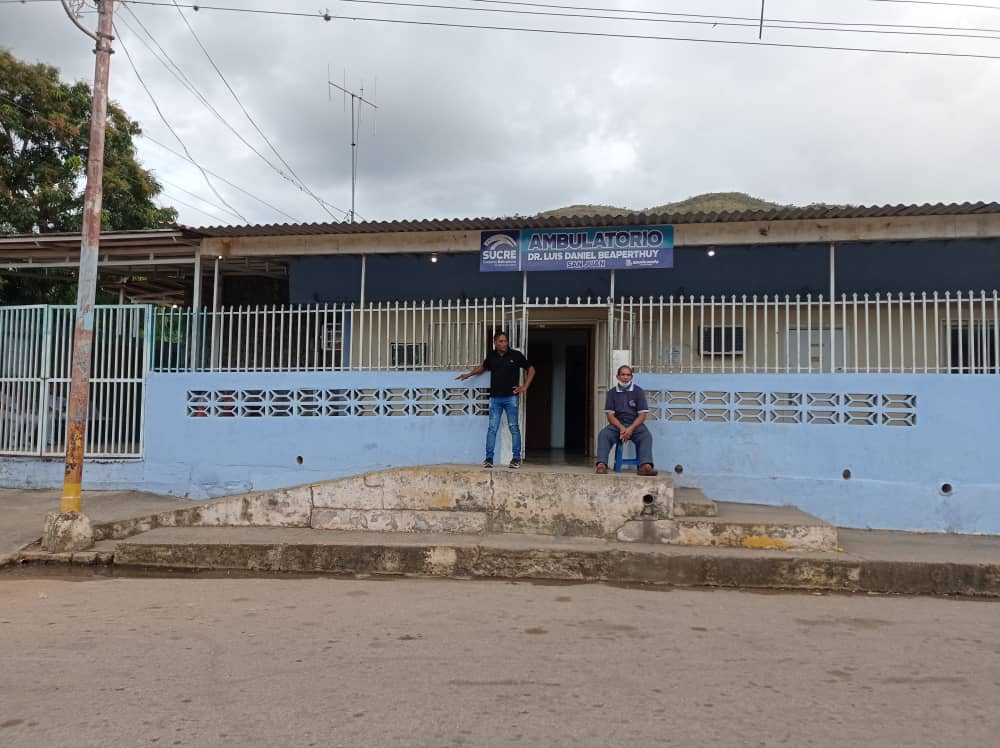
(711, 252)
(434, 257)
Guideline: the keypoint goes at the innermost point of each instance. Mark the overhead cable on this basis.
(592, 34)
(178, 73)
(236, 187)
(687, 19)
(166, 122)
(154, 141)
(305, 187)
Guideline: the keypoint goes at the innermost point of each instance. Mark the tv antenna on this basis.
(358, 101)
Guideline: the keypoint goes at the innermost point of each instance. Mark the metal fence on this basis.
(868, 333)
(36, 345)
(387, 336)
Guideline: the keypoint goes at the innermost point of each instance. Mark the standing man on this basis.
(504, 365)
(626, 408)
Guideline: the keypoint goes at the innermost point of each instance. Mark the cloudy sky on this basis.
(479, 122)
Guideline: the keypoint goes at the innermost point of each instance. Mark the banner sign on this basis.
(613, 248)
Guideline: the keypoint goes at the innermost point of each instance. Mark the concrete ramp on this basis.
(556, 501)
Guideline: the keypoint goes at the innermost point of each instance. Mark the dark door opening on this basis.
(559, 411)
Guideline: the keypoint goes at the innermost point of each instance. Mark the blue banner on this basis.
(613, 248)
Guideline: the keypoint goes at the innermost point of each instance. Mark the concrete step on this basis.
(691, 502)
(736, 525)
(886, 566)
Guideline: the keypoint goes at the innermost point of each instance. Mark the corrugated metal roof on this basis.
(820, 212)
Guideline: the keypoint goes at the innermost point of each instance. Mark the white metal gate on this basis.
(36, 345)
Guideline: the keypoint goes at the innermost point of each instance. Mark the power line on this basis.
(195, 195)
(175, 199)
(713, 17)
(156, 106)
(181, 156)
(595, 34)
(154, 141)
(685, 18)
(281, 158)
(937, 2)
(179, 74)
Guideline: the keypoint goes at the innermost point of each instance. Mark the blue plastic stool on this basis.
(620, 458)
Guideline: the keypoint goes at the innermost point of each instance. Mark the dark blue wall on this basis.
(864, 267)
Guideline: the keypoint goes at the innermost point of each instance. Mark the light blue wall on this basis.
(204, 457)
(214, 456)
(946, 434)
(896, 471)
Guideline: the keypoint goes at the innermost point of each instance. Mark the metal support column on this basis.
(833, 307)
(195, 330)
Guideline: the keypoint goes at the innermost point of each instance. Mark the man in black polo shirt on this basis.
(626, 408)
(504, 365)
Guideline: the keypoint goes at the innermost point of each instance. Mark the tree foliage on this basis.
(44, 138)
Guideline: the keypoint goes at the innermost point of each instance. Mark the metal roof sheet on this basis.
(818, 212)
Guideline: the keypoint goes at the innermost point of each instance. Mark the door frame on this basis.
(590, 328)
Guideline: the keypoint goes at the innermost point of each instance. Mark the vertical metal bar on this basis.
(923, 326)
(833, 307)
(701, 331)
(767, 333)
(196, 310)
(947, 328)
(257, 362)
(809, 334)
(878, 332)
(695, 347)
(214, 349)
(996, 334)
(961, 347)
(902, 335)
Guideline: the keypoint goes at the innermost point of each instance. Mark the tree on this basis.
(44, 136)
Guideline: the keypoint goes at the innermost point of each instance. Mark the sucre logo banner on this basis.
(612, 248)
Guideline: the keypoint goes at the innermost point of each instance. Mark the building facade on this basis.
(841, 360)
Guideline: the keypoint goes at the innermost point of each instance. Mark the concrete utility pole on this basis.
(70, 530)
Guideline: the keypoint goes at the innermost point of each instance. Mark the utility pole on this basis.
(74, 531)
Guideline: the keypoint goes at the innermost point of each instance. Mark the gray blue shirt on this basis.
(626, 403)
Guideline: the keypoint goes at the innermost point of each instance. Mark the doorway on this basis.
(559, 407)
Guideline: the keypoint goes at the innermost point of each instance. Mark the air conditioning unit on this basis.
(722, 340)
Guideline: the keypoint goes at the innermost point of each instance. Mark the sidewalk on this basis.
(876, 561)
(22, 512)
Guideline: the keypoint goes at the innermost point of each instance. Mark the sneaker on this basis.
(487, 464)
(515, 464)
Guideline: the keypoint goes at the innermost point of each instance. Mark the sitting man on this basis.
(626, 408)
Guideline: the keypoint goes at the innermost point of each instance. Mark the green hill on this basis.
(712, 202)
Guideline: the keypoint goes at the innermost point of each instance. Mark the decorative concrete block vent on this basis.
(811, 408)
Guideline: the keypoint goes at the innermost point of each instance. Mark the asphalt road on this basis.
(331, 662)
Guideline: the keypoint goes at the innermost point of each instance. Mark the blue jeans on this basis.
(506, 405)
(609, 436)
